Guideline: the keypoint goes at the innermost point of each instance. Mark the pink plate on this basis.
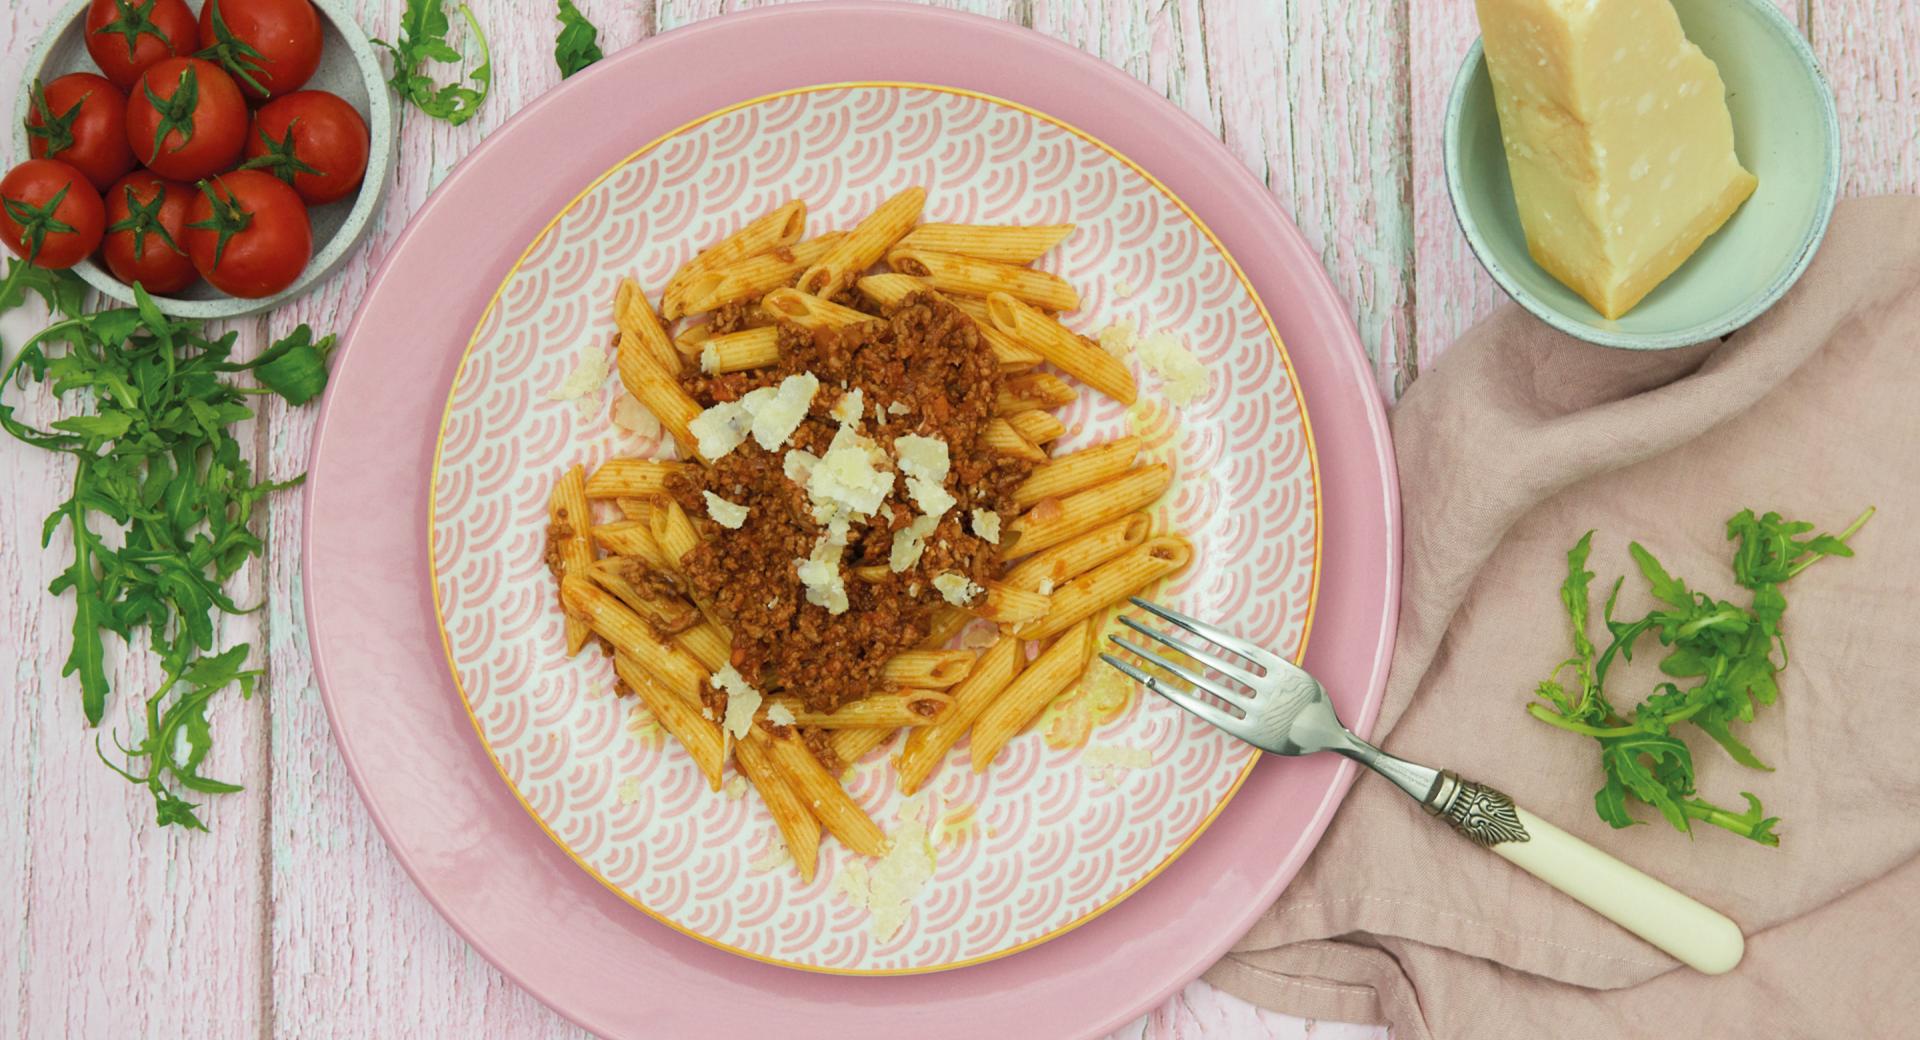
(406, 738)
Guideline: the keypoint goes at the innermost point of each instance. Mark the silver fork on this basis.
(1283, 710)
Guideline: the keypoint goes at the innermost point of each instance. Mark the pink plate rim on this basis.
(430, 786)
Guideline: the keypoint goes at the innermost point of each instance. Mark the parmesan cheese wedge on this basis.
(1617, 137)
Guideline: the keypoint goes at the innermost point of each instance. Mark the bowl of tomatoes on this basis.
(225, 154)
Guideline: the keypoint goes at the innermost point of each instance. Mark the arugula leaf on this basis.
(1724, 648)
(423, 38)
(578, 44)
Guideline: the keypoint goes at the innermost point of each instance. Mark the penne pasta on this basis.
(947, 622)
(796, 823)
(638, 323)
(781, 226)
(1007, 243)
(740, 351)
(675, 669)
(1003, 438)
(1037, 426)
(810, 311)
(700, 735)
(967, 276)
(755, 276)
(570, 545)
(625, 538)
(710, 644)
(888, 290)
(1057, 667)
(667, 614)
(927, 745)
(636, 509)
(1055, 520)
(1048, 569)
(852, 745)
(1067, 349)
(632, 478)
(660, 394)
(1110, 583)
(1006, 605)
(863, 247)
(1076, 471)
(888, 710)
(1031, 390)
(936, 668)
(821, 793)
(674, 533)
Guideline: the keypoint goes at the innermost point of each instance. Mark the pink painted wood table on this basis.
(290, 918)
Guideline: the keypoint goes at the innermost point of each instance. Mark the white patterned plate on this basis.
(1075, 814)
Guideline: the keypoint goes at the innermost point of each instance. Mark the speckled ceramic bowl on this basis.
(1784, 130)
(348, 67)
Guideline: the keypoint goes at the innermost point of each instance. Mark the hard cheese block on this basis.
(1617, 137)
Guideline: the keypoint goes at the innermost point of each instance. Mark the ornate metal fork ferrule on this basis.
(1483, 815)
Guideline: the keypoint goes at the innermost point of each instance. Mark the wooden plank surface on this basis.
(291, 918)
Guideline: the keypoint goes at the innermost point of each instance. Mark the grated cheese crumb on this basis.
(887, 889)
(630, 415)
(848, 408)
(1117, 338)
(986, 524)
(896, 408)
(820, 573)
(780, 715)
(742, 700)
(1108, 762)
(582, 385)
(1123, 289)
(710, 359)
(1183, 378)
(957, 589)
(735, 789)
(909, 542)
(923, 457)
(932, 498)
(629, 790)
(726, 514)
(772, 856)
(1046, 587)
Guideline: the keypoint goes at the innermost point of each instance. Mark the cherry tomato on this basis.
(270, 46)
(147, 232)
(186, 119)
(126, 37)
(49, 213)
(81, 120)
(313, 140)
(248, 233)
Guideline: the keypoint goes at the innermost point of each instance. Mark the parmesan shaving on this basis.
(956, 589)
(630, 415)
(1117, 338)
(846, 482)
(888, 888)
(1183, 378)
(727, 514)
(742, 700)
(909, 542)
(780, 715)
(720, 429)
(986, 524)
(820, 573)
(923, 457)
(1109, 762)
(710, 359)
(781, 411)
(629, 790)
(582, 386)
(847, 409)
(932, 498)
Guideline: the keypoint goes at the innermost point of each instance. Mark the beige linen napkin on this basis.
(1518, 441)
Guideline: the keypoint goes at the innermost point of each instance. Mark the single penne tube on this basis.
(1057, 667)
(1049, 569)
(700, 735)
(569, 526)
(674, 533)
(1037, 426)
(889, 290)
(863, 247)
(1030, 390)
(1075, 471)
(740, 351)
(872, 573)
(666, 613)
(967, 276)
(633, 478)
(947, 622)
(1110, 583)
(927, 745)
(796, 823)
(892, 710)
(710, 644)
(852, 745)
(1068, 350)
(1003, 438)
(675, 669)
(781, 226)
(822, 794)
(660, 394)
(625, 538)
(1055, 520)
(923, 668)
(755, 276)
(690, 339)
(636, 508)
(1007, 243)
(1005, 605)
(810, 311)
(636, 319)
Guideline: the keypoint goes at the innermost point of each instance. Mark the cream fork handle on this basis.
(1689, 931)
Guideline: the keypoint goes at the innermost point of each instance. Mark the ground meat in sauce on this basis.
(930, 358)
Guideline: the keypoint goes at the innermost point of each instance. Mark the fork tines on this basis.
(1236, 695)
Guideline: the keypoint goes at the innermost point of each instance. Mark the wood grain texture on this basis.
(291, 918)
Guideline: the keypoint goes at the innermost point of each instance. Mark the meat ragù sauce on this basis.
(921, 368)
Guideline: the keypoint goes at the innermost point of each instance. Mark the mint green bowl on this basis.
(1784, 130)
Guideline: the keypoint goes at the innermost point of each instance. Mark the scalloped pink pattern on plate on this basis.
(1055, 842)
